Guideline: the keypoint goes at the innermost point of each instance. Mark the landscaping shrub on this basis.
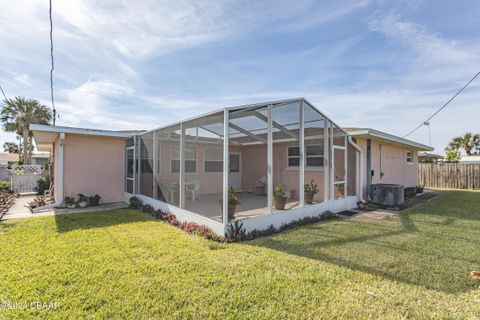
(235, 231)
(5, 186)
(38, 201)
(158, 214)
(135, 203)
(148, 209)
(410, 192)
(419, 189)
(94, 200)
(201, 230)
(189, 227)
(6, 201)
(43, 185)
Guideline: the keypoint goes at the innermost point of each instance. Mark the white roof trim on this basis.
(84, 131)
(390, 137)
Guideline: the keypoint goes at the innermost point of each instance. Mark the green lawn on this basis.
(124, 264)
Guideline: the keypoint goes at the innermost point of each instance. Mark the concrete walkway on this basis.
(379, 214)
(20, 209)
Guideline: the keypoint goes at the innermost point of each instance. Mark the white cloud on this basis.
(140, 29)
(320, 14)
(105, 77)
(23, 79)
(431, 46)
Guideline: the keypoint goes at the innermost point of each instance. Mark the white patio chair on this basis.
(193, 188)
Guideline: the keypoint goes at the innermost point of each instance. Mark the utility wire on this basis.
(3, 93)
(441, 108)
(53, 63)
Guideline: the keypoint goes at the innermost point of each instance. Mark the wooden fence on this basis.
(449, 175)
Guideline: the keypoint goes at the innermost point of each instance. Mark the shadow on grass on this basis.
(395, 250)
(99, 219)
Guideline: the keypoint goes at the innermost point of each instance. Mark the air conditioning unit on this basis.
(387, 194)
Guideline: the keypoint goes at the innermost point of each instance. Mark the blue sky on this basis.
(140, 64)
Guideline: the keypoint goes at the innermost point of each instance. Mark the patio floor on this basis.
(250, 205)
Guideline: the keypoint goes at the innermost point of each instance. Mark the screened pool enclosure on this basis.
(190, 167)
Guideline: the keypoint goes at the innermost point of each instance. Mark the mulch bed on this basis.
(348, 213)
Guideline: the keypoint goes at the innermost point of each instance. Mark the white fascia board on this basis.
(83, 131)
(390, 137)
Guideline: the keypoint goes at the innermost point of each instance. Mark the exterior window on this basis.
(234, 163)
(409, 157)
(213, 159)
(313, 155)
(190, 159)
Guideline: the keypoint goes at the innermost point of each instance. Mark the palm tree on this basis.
(11, 147)
(467, 142)
(17, 114)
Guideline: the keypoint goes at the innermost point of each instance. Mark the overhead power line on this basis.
(3, 93)
(441, 108)
(53, 63)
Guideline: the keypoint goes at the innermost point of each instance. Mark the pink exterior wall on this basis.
(94, 165)
(252, 168)
(391, 160)
(254, 165)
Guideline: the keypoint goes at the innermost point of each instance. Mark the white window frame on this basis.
(410, 160)
(307, 167)
(133, 178)
(172, 158)
(205, 161)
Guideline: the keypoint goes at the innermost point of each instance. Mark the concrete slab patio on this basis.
(379, 214)
(20, 209)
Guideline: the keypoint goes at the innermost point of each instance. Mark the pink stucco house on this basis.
(188, 167)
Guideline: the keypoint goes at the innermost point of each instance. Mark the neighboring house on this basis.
(428, 157)
(470, 159)
(8, 159)
(188, 167)
(40, 158)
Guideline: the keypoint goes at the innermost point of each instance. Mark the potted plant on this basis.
(309, 192)
(82, 201)
(279, 198)
(70, 202)
(233, 201)
(94, 200)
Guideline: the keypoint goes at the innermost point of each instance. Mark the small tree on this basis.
(452, 154)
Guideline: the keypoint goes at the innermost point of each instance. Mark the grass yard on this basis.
(124, 264)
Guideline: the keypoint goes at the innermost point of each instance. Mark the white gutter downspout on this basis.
(360, 151)
(58, 178)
